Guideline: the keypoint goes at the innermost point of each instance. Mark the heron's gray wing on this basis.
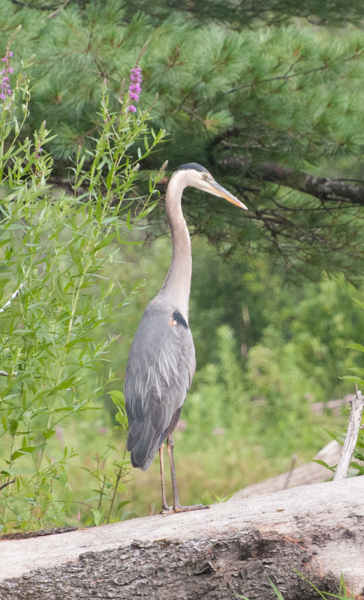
(159, 372)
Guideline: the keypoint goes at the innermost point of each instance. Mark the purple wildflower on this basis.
(4, 79)
(38, 152)
(134, 87)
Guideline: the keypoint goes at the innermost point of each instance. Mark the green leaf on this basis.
(109, 178)
(357, 370)
(26, 450)
(13, 426)
(361, 304)
(76, 257)
(97, 516)
(122, 419)
(356, 347)
(276, 591)
(14, 471)
(148, 210)
(332, 435)
(355, 379)
(99, 208)
(47, 433)
(106, 241)
(117, 397)
(324, 464)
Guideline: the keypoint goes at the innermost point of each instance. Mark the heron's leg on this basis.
(176, 503)
(170, 446)
(163, 484)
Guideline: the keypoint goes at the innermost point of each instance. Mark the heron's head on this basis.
(195, 175)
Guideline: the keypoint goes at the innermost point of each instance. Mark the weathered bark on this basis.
(321, 187)
(233, 548)
(352, 433)
(305, 475)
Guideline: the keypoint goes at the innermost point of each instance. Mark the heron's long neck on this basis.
(177, 285)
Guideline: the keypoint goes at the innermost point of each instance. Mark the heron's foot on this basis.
(179, 509)
(166, 510)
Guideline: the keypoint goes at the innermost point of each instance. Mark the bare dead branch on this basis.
(53, 14)
(232, 549)
(357, 404)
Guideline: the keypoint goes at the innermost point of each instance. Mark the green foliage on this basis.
(208, 81)
(266, 350)
(252, 296)
(266, 403)
(343, 592)
(252, 14)
(56, 300)
(290, 95)
(110, 480)
(342, 595)
(276, 591)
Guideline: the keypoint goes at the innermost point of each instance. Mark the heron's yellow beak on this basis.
(217, 190)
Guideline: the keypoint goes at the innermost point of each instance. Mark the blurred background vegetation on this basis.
(263, 95)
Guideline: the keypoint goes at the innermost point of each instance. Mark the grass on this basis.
(209, 474)
(343, 592)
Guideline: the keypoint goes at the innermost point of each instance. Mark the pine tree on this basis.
(272, 107)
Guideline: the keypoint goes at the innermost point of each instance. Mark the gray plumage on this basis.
(161, 362)
(159, 373)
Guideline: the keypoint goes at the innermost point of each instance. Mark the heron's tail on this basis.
(143, 443)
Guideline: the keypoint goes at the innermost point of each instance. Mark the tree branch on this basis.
(53, 14)
(323, 188)
(6, 484)
(35, 7)
(231, 550)
(289, 75)
(351, 438)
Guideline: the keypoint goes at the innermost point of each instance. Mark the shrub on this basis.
(56, 296)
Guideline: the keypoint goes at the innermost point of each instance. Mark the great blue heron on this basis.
(161, 361)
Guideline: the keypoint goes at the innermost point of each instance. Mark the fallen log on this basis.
(305, 475)
(232, 548)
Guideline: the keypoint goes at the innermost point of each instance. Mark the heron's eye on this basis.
(205, 176)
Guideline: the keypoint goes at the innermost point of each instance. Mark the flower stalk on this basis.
(134, 87)
(5, 88)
